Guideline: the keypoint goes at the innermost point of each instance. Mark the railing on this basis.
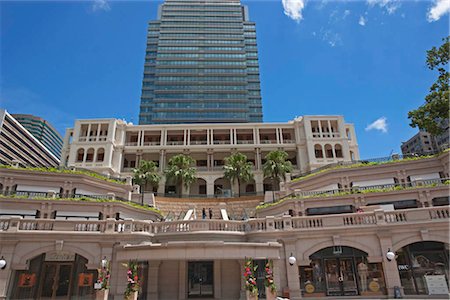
(60, 168)
(373, 188)
(269, 224)
(394, 157)
(50, 194)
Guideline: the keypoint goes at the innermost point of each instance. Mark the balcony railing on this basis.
(370, 188)
(394, 157)
(287, 223)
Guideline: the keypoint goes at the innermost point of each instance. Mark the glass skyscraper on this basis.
(201, 65)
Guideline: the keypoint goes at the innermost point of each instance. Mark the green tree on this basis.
(147, 172)
(276, 166)
(431, 115)
(180, 169)
(237, 168)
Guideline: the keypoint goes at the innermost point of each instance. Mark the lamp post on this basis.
(2, 263)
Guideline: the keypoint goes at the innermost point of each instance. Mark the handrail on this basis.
(374, 188)
(394, 157)
(378, 217)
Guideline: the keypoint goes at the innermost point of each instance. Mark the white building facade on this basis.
(114, 147)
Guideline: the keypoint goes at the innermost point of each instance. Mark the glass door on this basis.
(332, 277)
(347, 274)
(200, 279)
(340, 277)
(56, 279)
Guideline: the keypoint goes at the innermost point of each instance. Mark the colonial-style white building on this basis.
(114, 147)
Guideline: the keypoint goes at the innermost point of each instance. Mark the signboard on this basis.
(27, 280)
(59, 256)
(436, 284)
(85, 279)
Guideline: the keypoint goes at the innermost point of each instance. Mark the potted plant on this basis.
(271, 288)
(250, 280)
(132, 289)
(102, 284)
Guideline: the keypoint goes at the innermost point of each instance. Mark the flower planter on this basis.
(132, 296)
(251, 296)
(270, 295)
(101, 294)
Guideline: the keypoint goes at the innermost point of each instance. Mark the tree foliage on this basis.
(147, 172)
(431, 115)
(237, 168)
(181, 169)
(276, 166)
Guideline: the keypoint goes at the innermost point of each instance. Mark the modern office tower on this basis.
(19, 146)
(201, 65)
(43, 131)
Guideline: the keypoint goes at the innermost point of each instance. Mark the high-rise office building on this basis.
(201, 65)
(43, 131)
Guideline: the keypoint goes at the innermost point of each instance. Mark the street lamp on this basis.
(292, 260)
(390, 255)
(2, 263)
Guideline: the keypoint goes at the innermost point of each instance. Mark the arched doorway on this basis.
(55, 275)
(422, 266)
(341, 271)
(222, 187)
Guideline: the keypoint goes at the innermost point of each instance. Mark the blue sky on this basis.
(365, 60)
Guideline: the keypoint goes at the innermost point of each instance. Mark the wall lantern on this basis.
(292, 260)
(390, 255)
(2, 263)
(104, 262)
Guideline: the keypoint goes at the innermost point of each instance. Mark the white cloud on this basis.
(332, 38)
(100, 5)
(440, 8)
(362, 21)
(389, 5)
(293, 9)
(379, 124)
(346, 13)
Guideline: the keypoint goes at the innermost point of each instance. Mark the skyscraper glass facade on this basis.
(201, 65)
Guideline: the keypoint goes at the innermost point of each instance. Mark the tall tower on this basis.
(201, 65)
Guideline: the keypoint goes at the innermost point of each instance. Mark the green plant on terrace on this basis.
(368, 164)
(87, 199)
(345, 193)
(64, 171)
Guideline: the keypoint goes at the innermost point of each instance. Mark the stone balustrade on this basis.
(376, 218)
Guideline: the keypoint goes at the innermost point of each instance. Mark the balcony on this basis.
(375, 220)
(175, 143)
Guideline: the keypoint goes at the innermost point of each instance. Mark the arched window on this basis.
(90, 155)
(318, 151)
(352, 155)
(328, 151)
(80, 155)
(338, 150)
(100, 155)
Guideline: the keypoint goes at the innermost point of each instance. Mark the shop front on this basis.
(424, 268)
(54, 275)
(341, 271)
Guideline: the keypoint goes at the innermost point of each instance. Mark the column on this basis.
(277, 133)
(162, 158)
(390, 268)
(217, 280)
(182, 279)
(241, 263)
(153, 276)
(98, 131)
(292, 271)
(281, 135)
(88, 133)
(6, 274)
(210, 186)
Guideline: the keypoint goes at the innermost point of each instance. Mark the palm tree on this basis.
(276, 166)
(180, 169)
(238, 168)
(146, 173)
